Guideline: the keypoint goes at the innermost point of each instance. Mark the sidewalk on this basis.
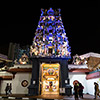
(85, 97)
(42, 97)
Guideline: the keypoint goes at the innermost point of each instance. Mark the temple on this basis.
(43, 68)
(49, 55)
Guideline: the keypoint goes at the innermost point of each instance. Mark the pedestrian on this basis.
(96, 88)
(7, 89)
(81, 87)
(10, 88)
(76, 88)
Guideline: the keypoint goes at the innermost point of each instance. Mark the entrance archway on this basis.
(50, 78)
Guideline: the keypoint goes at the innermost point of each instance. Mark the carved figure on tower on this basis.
(50, 37)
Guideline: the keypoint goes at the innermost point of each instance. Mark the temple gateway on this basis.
(49, 55)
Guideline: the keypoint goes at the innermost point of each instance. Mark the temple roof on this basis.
(91, 54)
(50, 37)
(4, 58)
(6, 75)
(21, 66)
(72, 66)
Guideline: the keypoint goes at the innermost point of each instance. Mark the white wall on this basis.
(90, 85)
(3, 84)
(81, 77)
(17, 88)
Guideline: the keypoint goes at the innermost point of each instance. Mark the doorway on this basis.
(50, 78)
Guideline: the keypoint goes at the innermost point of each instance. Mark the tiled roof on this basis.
(3, 56)
(21, 66)
(72, 66)
(91, 54)
(5, 73)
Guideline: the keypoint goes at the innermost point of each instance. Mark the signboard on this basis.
(33, 82)
(65, 81)
(62, 90)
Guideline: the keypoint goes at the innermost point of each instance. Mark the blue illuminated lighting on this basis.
(50, 34)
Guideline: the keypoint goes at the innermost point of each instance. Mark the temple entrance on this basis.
(50, 78)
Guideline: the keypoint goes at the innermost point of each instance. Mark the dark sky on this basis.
(19, 20)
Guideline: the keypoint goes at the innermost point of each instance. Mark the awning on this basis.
(93, 75)
(5, 75)
(72, 66)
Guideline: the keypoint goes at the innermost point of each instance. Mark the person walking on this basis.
(81, 87)
(76, 88)
(10, 88)
(7, 89)
(96, 88)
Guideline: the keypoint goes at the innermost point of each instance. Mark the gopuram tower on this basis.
(50, 53)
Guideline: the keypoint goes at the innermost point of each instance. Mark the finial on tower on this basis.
(50, 12)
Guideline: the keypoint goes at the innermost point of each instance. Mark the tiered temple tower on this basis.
(49, 54)
(50, 37)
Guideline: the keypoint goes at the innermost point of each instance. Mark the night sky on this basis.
(19, 20)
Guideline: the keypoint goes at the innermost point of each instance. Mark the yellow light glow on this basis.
(50, 78)
(50, 65)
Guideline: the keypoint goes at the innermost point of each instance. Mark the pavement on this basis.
(44, 97)
(86, 97)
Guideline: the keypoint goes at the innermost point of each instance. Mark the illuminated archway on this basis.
(50, 78)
